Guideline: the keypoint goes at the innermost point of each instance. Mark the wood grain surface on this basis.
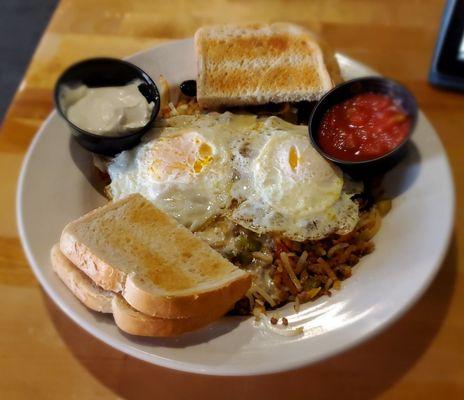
(45, 355)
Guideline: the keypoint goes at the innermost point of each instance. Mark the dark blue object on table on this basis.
(447, 69)
(21, 25)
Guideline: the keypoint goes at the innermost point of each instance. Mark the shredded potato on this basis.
(302, 272)
(291, 273)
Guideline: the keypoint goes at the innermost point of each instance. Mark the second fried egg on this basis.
(284, 185)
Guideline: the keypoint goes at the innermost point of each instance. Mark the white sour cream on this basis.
(107, 111)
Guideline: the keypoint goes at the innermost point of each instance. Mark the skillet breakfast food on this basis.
(278, 221)
(258, 192)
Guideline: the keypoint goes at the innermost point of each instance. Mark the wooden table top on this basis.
(43, 354)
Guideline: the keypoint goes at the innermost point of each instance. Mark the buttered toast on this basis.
(257, 63)
(158, 266)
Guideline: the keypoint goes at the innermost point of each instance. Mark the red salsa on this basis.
(363, 127)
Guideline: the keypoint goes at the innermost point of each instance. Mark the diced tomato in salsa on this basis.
(363, 127)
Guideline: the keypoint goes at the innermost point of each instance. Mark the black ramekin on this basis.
(347, 90)
(101, 72)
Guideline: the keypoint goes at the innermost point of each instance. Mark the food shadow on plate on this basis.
(83, 159)
(215, 329)
(400, 178)
(204, 335)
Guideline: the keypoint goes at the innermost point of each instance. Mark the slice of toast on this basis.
(127, 318)
(251, 64)
(159, 266)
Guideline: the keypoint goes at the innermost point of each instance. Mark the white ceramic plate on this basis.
(55, 187)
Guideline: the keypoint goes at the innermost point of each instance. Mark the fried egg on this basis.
(284, 185)
(184, 170)
(262, 174)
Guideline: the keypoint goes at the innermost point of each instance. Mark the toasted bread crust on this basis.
(218, 301)
(80, 285)
(250, 64)
(133, 322)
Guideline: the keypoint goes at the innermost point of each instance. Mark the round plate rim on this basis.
(200, 368)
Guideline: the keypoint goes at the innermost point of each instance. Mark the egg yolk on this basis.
(293, 158)
(205, 152)
(184, 155)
